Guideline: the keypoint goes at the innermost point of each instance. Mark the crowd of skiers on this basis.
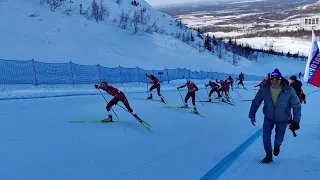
(221, 87)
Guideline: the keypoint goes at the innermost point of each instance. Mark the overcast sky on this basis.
(164, 2)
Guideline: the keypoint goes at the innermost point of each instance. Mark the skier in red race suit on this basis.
(223, 87)
(117, 96)
(156, 85)
(227, 85)
(230, 80)
(192, 88)
(263, 82)
(214, 87)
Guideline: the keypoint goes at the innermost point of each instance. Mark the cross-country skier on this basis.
(156, 85)
(214, 87)
(224, 88)
(241, 78)
(262, 83)
(117, 96)
(230, 80)
(192, 88)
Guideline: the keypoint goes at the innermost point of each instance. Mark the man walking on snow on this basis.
(279, 98)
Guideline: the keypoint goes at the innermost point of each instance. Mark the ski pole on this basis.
(231, 97)
(132, 114)
(199, 99)
(181, 96)
(207, 91)
(237, 93)
(147, 85)
(164, 99)
(108, 103)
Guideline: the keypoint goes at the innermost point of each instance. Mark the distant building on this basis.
(310, 22)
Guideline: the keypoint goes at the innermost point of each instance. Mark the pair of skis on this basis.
(182, 107)
(142, 122)
(223, 101)
(164, 101)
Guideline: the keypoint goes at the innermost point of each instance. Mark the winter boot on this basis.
(137, 117)
(109, 119)
(267, 159)
(185, 106)
(276, 150)
(150, 97)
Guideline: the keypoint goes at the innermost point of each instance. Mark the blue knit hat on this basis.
(276, 74)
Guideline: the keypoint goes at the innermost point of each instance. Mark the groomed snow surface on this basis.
(38, 142)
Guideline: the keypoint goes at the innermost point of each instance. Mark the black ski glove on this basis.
(96, 86)
(294, 126)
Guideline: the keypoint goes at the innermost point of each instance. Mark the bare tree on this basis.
(155, 27)
(99, 11)
(124, 19)
(95, 10)
(144, 18)
(103, 11)
(162, 31)
(85, 13)
(140, 18)
(218, 51)
(54, 4)
(187, 38)
(135, 21)
(235, 59)
(178, 35)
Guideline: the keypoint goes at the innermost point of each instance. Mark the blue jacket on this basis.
(287, 99)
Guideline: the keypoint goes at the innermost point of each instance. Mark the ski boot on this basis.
(150, 97)
(185, 106)
(137, 117)
(195, 110)
(109, 119)
(209, 99)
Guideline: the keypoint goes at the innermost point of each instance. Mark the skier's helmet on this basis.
(188, 81)
(104, 84)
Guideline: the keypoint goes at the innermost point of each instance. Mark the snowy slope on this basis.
(57, 37)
